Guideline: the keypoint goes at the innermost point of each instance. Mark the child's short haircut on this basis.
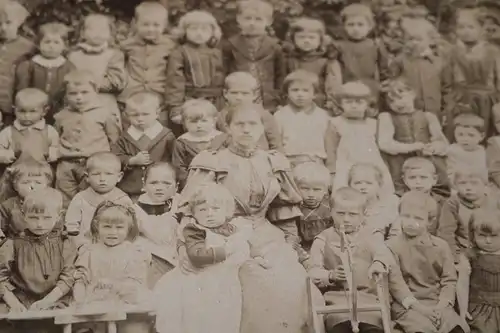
(78, 78)
(348, 194)
(160, 165)
(146, 7)
(133, 231)
(31, 97)
(259, 6)
(42, 200)
(30, 167)
(103, 158)
(143, 100)
(301, 76)
(363, 167)
(420, 163)
(14, 9)
(311, 172)
(195, 109)
(354, 89)
(420, 200)
(100, 18)
(470, 172)
(470, 120)
(239, 77)
(53, 28)
(214, 193)
(307, 24)
(357, 9)
(197, 17)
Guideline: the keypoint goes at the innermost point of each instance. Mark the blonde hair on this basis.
(349, 194)
(311, 172)
(259, 6)
(237, 77)
(31, 97)
(355, 89)
(143, 99)
(103, 158)
(418, 163)
(470, 172)
(147, 7)
(15, 10)
(301, 76)
(358, 9)
(41, 200)
(198, 108)
(200, 16)
(470, 120)
(213, 192)
(379, 177)
(28, 166)
(133, 231)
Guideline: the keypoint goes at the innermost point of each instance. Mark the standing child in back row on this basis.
(253, 51)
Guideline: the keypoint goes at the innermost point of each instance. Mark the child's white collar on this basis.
(49, 63)
(150, 132)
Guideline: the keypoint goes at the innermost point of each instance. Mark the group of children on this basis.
(398, 148)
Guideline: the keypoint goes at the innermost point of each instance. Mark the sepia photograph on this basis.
(249, 166)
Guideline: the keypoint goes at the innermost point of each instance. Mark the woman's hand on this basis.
(338, 274)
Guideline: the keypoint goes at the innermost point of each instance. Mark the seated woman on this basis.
(273, 281)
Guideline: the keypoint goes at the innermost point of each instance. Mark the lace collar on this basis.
(49, 63)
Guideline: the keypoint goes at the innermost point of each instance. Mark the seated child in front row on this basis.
(204, 293)
(103, 172)
(381, 214)
(419, 174)
(302, 125)
(328, 265)
(145, 141)
(112, 271)
(423, 283)
(199, 117)
(485, 271)
(405, 131)
(29, 133)
(156, 211)
(85, 127)
(24, 177)
(242, 87)
(313, 180)
(467, 151)
(39, 272)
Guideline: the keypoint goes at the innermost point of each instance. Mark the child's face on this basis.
(253, 23)
(312, 192)
(468, 30)
(307, 41)
(357, 27)
(402, 101)
(414, 220)
(103, 177)
(365, 182)
(491, 29)
(301, 94)
(470, 187)
(241, 93)
(210, 214)
(420, 179)
(113, 231)
(97, 32)
(9, 26)
(488, 241)
(348, 213)
(468, 137)
(417, 42)
(150, 27)
(27, 183)
(51, 46)
(28, 116)
(160, 184)
(80, 96)
(200, 126)
(354, 108)
(199, 33)
(143, 118)
(42, 223)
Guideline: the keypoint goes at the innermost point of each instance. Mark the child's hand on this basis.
(177, 119)
(438, 148)
(142, 158)
(16, 306)
(338, 274)
(42, 304)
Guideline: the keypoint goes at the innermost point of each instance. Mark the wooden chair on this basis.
(68, 317)
(316, 313)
